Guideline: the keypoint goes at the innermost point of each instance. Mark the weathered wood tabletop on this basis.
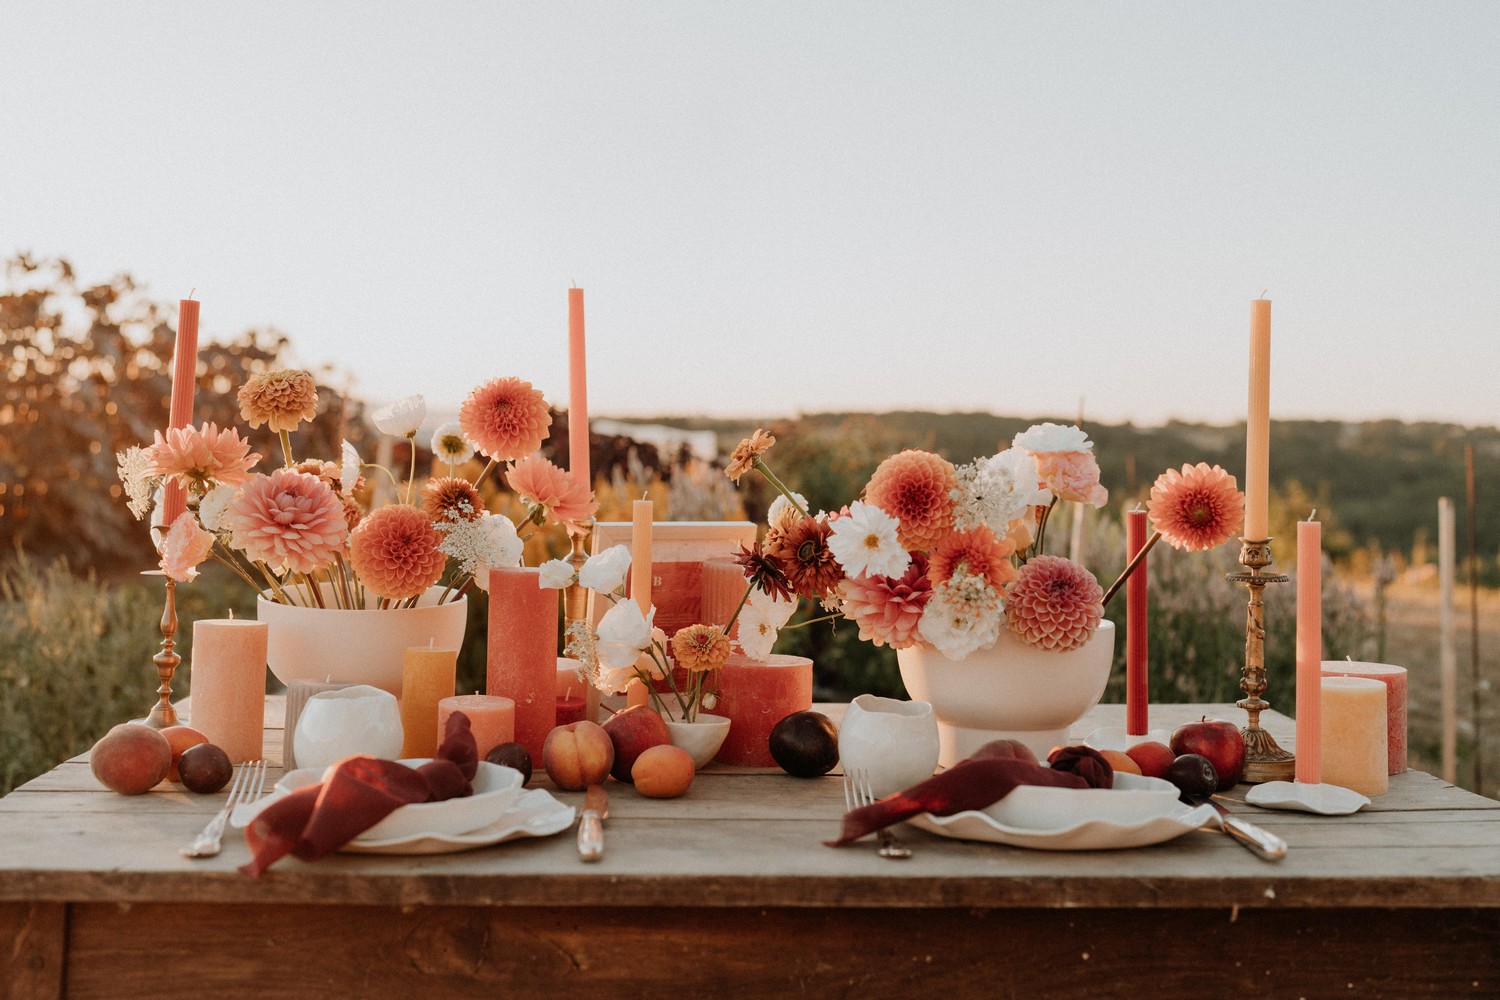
(730, 892)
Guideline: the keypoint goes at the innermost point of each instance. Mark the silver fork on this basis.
(858, 793)
(248, 782)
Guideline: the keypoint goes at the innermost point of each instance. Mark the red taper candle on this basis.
(1137, 691)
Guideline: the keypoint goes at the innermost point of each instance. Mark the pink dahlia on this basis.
(978, 553)
(505, 418)
(888, 610)
(539, 482)
(1197, 508)
(915, 488)
(199, 457)
(288, 519)
(1072, 475)
(1055, 604)
(395, 552)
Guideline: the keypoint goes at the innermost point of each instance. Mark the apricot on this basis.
(1120, 761)
(179, 738)
(1153, 758)
(634, 731)
(577, 755)
(131, 758)
(663, 772)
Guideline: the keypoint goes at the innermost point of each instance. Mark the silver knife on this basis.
(591, 824)
(1253, 838)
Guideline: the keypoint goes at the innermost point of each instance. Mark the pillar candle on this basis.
(228, 683)
(578, 393)
(492, 719)
(755, 695)
(1137, 692)
(184, 381)
(569, 680)
(427, 677)
(570, 710)
(522, 653)
(721, 588)
(1394, 679)
(1353, 712)
(1309, 767)
(1258, 424)
(297, 693)
(641, 516)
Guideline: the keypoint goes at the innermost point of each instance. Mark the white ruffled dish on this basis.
(1115, 738)
(496, 790)
(1138, 812)
(535, 814)
(1325, 800)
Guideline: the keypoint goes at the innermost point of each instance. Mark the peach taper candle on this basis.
(184, 381)
(642, 514)
(578, 393)
(1309, 767)
(1258, 424)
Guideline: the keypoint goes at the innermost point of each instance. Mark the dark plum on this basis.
(805, 744)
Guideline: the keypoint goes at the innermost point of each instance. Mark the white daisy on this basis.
(450, 445)
(864, 542)
(401, 418)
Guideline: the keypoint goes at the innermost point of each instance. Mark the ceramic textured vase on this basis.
(701, 738)
(1009, 690)
(894, 742)
(359, 647)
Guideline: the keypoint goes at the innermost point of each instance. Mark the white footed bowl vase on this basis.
(1010, 690)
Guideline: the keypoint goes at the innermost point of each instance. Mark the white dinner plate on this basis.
(535, 814)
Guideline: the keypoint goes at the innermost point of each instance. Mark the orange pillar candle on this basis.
(522, 654)
(1137, 691)
(1309, 767)
(642, 514)
(1394, 679)
(1258, 424)
(229, 685)
(427, 677)
(578, 392)
(721, 588)
(755, 695)
(184, 381)
(1353, 731)
(492, 719)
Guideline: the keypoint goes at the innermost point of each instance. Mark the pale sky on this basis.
(784, 207)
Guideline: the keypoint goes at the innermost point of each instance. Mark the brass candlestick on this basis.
(1264, 760)
(162, 713)
(576, 604)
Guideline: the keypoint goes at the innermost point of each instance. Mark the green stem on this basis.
(286, 449)
(1130, 568)
(484, 472)
(765, 470)
(738, 608)
(811, 621)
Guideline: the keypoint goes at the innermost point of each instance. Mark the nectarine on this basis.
(1120, 761)
(131, 759)
(577, 755)
(663, 772)
(1153, 758)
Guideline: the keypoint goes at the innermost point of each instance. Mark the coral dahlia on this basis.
(1195, 509)
(915, 488)
(978, 553)
(1055, 604)
(540, 483)
(506, 418)
(287, 519)
(281, 399)
(395, 552)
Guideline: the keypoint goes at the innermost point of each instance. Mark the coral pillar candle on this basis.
(492, 719)
(522, 651)
(184, 380)
(297, 693)
(755, 695)
(641, 516)
(427, 677)
(1309, 651)
(578, 392)
(1258, 424)
(721, 588)
(1137, 693)
(1353, 734)
(1394, 679)
(229, 685)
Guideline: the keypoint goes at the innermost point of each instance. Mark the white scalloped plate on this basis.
(1150, 821)
(1325, 800)
(535, 814)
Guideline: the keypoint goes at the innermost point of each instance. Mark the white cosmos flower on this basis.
(349, 471)
(479, 545)
(864, 542)
(213, 505)
(757, 630)
(777, 612)
(998, 490)
(624, 634)
(1052, 437)
(555, 574)
(450, 445)
(605, 571)
(403, 417)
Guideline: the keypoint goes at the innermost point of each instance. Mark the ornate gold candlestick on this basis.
(576, 605)
(162, 713)
(1264, 760)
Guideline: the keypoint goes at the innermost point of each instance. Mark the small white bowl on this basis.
(1133, 799)
(496, 789)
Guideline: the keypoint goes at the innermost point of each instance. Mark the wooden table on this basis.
(729, 892)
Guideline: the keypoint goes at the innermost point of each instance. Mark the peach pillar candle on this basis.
(641, 517)
(721, 588)
(229, 685)
(569, 680)
(1353, 732)
(522, 652)
(578, 392)
(297, 693)
(184, 381)
(427, 677)
(492, 719)
(1137, 691)
(1309, 767)
(1394, 679)
(1258, 424)
(755, 695)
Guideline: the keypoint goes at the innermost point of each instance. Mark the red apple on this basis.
(633, 732)
(1152, 757)
(1219, 741)
(577, 755)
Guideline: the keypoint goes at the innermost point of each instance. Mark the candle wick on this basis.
(190, 294)
(1314, 515)
(1263, 292)
(1137, 508)
(231, 614)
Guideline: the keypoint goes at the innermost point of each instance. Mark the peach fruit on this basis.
(577, 755)
(131, 759)
(1153, 758)
(179, 738)
(633, 732)
(663, 772)
(1120, 761)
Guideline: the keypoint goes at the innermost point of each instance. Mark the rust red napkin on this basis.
(317, 820)
(977, 782)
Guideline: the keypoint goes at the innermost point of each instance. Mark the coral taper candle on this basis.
(523, 651)
(1309, 652)
(578, 392)
(1258, 424)
(641, 516)
(229, 685)
(1137, 691)
(427, 677)
(184, 381)
(1354, 744)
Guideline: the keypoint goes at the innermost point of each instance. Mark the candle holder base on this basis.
(1264, 760)
(162, 714)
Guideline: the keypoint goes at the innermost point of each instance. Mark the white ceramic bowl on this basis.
(1134, 799)
(496, 789)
